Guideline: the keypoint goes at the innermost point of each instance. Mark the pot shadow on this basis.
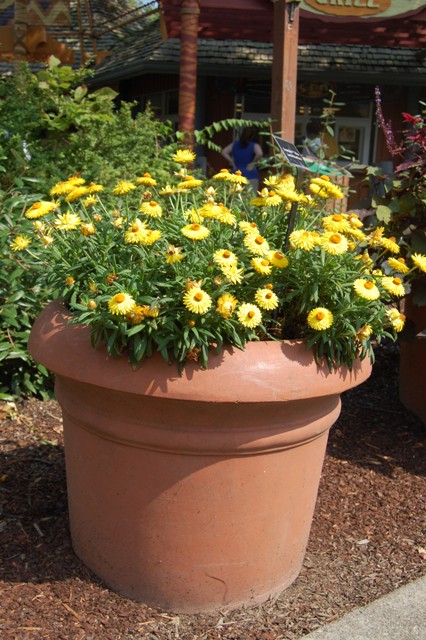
(36, 545)
(374, 429)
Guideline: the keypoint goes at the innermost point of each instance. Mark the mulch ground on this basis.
(368, 534)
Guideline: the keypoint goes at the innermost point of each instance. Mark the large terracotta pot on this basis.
(193, 492)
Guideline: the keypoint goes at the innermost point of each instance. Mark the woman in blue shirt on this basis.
(243, 154)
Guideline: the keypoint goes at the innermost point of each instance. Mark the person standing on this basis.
(312, 143)
(243, 154)
(318, 143)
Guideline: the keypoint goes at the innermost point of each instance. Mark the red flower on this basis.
(411, 119)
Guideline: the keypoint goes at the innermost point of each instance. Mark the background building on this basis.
(343, 50)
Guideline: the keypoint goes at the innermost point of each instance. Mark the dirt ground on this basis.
(368, 534)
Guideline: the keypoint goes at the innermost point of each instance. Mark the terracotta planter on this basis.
(192, 493)
(412, 363)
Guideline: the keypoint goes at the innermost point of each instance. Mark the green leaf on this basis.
(106, 92)
(134, 330)
(80, 92)
(384, 213)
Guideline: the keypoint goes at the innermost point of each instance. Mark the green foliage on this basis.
(20, 302)
(204, 137)
(51, 127)
(402, 206)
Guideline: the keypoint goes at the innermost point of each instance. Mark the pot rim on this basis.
(266, 371)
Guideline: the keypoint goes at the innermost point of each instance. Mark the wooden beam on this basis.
(20, 26)
(190, 11)
(284, 68)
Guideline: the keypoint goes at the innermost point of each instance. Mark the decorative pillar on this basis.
(20, 26)
(284, 67)
(189, 14)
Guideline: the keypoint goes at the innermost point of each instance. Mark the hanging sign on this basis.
(379, 9)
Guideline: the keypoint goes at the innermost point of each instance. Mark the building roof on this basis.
(254, 20)
(246, 58)
(137, 46)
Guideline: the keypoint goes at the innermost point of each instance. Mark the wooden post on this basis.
(189, 14)
(284, 68)
(20, 26)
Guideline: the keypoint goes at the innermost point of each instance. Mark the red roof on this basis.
(253, 20)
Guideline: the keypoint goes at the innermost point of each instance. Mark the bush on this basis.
(20, 302)
(51, 127)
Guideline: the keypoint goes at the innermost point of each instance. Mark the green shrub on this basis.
(51, 127)
(20, 302)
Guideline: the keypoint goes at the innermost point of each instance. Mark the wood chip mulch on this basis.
(367, 539)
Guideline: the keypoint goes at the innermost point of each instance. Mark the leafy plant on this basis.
(50, 123)
(402, 208)
(20, 302)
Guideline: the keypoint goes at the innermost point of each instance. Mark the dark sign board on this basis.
(291, 153)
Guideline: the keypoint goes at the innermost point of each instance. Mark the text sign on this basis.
(291, 153)
(361, 9)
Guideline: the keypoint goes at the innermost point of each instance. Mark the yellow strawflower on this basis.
(320, 319)
(197, 301)
(121, 304)
(249, 315)
(184, 156)
(20, 243)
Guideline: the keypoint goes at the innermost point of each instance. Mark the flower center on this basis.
(335, 238)
(238, 172)
(264, 263)
(259, 240)
(278, 255)
(369, 285)
(401, 260)
(195, 227)
(251, 314)
(153, 203)
(119, 297)
(337, 217)
(268, 295)
(146, 175)
(198, 296)
(226, 254)
(397, 281)
(320, 315)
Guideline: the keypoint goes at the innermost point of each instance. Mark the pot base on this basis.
(188, 531)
